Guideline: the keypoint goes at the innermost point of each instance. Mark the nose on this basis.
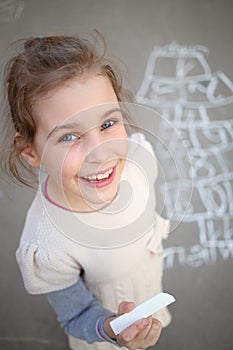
(98, 148)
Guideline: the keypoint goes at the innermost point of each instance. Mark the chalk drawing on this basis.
(178, 83)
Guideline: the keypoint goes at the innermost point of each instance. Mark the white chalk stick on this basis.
(143, 310)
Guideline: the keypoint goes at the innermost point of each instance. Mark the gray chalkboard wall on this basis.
(179, 57)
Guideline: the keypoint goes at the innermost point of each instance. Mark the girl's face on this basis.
(82, 142)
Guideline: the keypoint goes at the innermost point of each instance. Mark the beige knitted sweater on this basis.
(118, 249)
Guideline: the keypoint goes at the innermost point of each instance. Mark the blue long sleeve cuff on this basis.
(80, 313)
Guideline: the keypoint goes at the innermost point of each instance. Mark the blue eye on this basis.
(107, 124)
(69, 138)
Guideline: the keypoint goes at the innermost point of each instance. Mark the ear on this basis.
(29, 153)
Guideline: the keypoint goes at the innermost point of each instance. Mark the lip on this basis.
(101, 183)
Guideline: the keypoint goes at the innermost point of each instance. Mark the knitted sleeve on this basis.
(80, 313)
(45, 271)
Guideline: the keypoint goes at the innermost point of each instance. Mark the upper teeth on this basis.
(99, 176)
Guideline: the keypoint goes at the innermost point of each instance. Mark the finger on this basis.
(143, 333)
(125, 306)
(144, 338)
(128, 334)
(154, 332)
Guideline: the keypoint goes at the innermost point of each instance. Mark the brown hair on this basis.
(43, 64)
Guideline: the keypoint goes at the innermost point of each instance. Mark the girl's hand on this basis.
(141, 334)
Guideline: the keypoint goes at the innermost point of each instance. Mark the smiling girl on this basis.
(84, 244)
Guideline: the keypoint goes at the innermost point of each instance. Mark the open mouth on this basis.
(101, 179)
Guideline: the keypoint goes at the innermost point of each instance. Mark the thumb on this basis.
(124, 307)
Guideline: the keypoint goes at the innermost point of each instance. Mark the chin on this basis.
(103, 199)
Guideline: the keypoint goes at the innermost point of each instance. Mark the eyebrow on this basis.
(73, 125)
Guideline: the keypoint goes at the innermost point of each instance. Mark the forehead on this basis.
(73, 97)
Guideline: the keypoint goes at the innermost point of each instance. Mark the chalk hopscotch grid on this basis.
(199, 104)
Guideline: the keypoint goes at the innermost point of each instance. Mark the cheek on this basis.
(54, 167)
(71, 164)
(54, 160)
(123, 150)
(119, 141)
(122, 144)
